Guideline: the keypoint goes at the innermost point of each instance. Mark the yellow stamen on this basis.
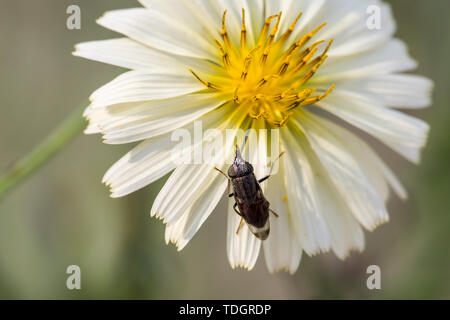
(317, 99)
(225, 55)
(285, 65)
(269, 81)
(308, 36)
(265, 29)
(224, 32)
(304, 58)
(291, 28)
(243, 33)
(265, 55)
(266, 79)
(274, 30)
(205, 83)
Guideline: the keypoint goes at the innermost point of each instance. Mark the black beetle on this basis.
(253, 207)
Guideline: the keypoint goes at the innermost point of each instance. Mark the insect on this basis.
(251, 205)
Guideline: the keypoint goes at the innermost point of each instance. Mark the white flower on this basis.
(190, 61)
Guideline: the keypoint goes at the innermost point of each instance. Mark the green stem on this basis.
(55, 142)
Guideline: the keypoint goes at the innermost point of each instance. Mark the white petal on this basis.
(307, 218)
(154, 158)
(201, 209)
(348, 27)
(233, 17)
(346, 23)
(92, 128)
(146, 163)
(159, 31)
(403, 133)
(184, 186)
(275, 7)
(129, 54)
(242, 248)
(198, 203)
(253, 17)
(310, 19)
(394, 90)
(156, 117)
(388, 58)
(345, 172)
(173, 230)
(183, 229)
(375, 169)
(188, 181)
(258, 156)
(282, 250)
(345, 232)
(144, 85)
(188, 13)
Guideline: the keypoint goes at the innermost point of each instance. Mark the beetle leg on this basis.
(271, 169)
(236, 210)
(274, 213)
(228, 189)
(240, 226)
(229, 182)
(263, 179)
(230, 195)
(217, 169)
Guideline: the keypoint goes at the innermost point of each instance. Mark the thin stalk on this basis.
(55, 142)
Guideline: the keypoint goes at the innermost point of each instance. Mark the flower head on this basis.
(294, 66)
(268, 78)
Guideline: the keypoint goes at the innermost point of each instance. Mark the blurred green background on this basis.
(63, 215)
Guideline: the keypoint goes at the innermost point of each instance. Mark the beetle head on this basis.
(240, 167)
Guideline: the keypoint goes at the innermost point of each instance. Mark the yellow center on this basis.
(268, 79)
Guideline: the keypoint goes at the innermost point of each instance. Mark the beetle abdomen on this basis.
(261, 233)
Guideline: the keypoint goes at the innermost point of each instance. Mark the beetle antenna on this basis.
(238, 152)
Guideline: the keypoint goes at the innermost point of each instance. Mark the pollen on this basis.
(271, 78)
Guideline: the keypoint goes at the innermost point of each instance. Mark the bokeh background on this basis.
(63, 215)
